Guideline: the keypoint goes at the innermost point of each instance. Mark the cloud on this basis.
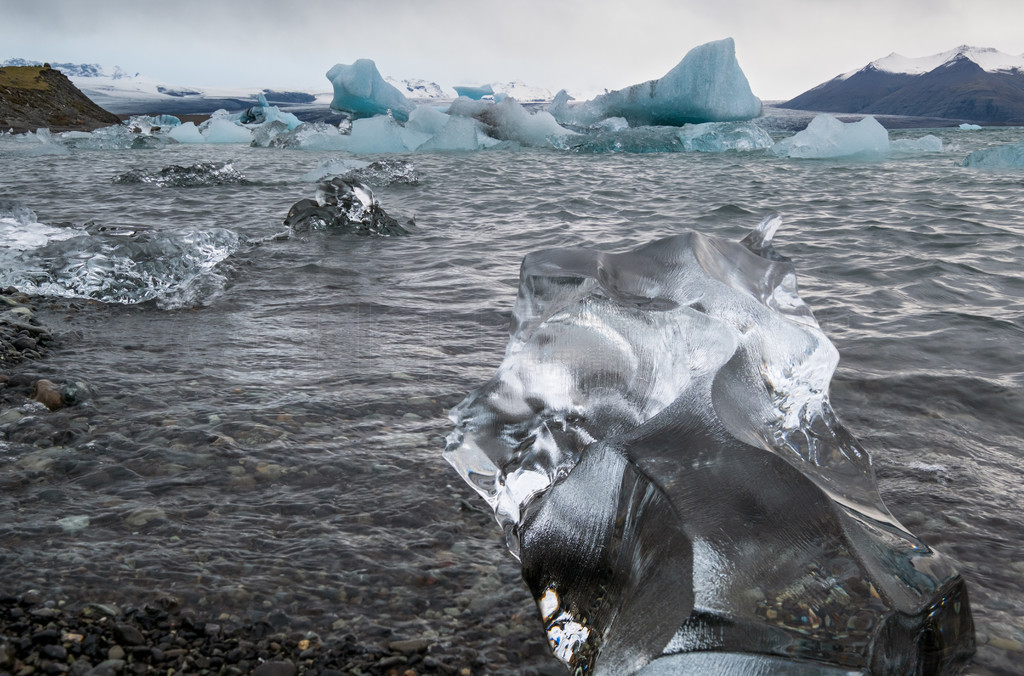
(784, 47)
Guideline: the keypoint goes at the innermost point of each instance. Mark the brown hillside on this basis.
(39, 96)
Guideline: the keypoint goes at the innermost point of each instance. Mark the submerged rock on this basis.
(660, 449)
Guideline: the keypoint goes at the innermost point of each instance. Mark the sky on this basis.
(783, 46)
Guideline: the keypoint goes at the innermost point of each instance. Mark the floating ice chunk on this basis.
(313, 136)
(826, 136)
(199, 174)
(459, 133)
(117, 137)
(40, 142)
(426, 120)
(382, 134)
(706, 86)
(659, 447)
(343, 205)
(220, 130)
(509, 121)
(176, 269)
(333, 166)
(475, 93)
(380, 173)
(21, 230)
(997, 157)
(360, 90)
(929, 143)
(188, 132)
(263, 114)
(966, 126)
(709, 137)
(146, 124)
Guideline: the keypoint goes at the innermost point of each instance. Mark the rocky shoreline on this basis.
(45, 632)
(38, 637)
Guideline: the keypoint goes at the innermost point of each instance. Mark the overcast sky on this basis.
(784, 46)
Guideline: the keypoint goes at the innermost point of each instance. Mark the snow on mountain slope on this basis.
(990, 60)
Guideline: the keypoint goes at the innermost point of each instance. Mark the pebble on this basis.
(143, 515)
(1007, 644)
(47, 393)
(275, 669)
(73, 524)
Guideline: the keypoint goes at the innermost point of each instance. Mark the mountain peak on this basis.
(966, 83)
(991, 60)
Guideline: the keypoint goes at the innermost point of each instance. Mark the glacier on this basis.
(360, 90)
(708, 85)
(660, 451)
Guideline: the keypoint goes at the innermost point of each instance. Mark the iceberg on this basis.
(997, 157)
(826, 137)
(659, 448)
(967, 126)
(360, 90)
(507, 120)
(710, 137)
(474, 93)
(706, 86)
(343, 205)
(263, 113)
(929, 143)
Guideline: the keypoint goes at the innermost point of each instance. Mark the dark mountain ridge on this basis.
(32, 97)
(959, 89)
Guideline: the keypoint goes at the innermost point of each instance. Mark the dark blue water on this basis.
(268, 444)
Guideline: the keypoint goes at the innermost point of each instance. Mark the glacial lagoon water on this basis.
(265, 443)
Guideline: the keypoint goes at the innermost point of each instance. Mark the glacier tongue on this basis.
(659, 448)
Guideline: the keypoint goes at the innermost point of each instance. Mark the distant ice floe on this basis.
(966, 126)
(998, 157)
(828, 137)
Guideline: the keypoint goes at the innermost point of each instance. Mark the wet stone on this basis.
(275, 669)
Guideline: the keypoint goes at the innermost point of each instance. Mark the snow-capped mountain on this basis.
(965, 84)
(521, 91)
(122, 92)
(421, 89)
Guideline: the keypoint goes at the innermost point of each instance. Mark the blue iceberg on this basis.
(360, 90)
(997, 157)
(826, 137)
(708, 85)
(659, 448)
(474, 93)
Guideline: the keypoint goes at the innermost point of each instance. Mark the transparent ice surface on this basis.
(659, 447)
(344, 205)
(176, 269)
